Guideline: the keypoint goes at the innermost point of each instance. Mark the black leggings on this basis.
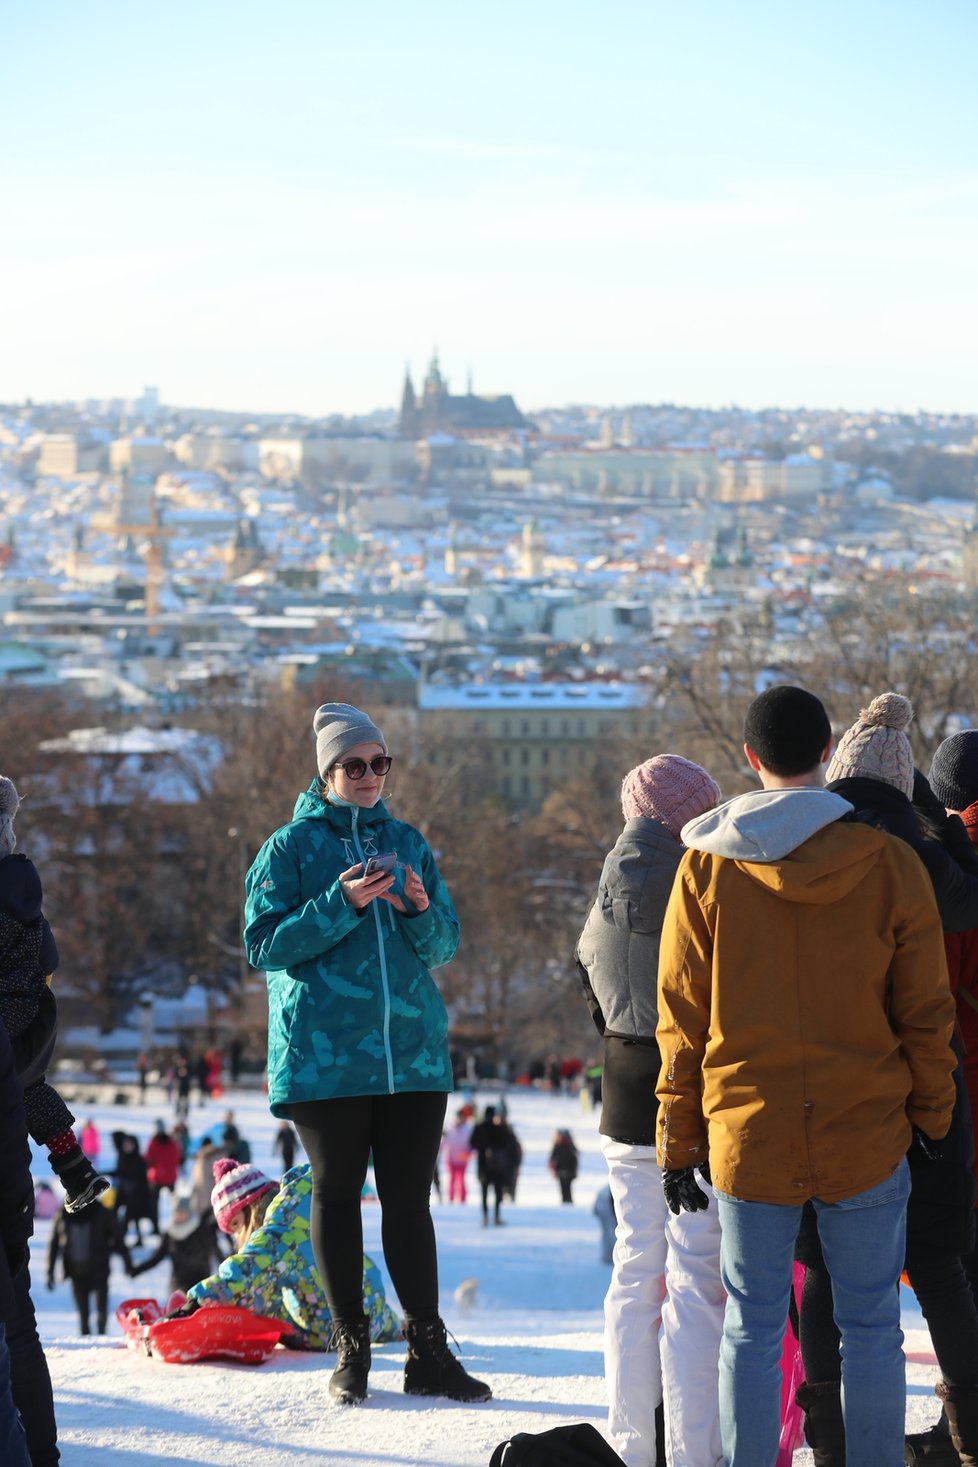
(404, 1133)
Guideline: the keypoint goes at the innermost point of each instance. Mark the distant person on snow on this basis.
(497, 1159)
(457, 1147)
(189, 1241)
(564, 1162)
(85, 1242)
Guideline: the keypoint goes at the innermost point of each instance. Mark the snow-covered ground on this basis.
(534, 1332)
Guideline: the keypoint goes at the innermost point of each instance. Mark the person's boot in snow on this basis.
(933, 1447)
(824, 1429)
(961, 1409)
(348, 1383)
(432, 1370)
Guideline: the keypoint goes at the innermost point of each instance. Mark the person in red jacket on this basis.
(163, 1159)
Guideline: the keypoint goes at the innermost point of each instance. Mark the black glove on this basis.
(928, 1148)
(185, 1310)
(681, 1190)
(51, 1283)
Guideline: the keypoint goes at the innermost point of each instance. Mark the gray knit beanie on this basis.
(9, 805)
(877, 747)
(339, 727)
(954, 772)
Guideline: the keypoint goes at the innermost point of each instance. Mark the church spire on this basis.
(409, 406)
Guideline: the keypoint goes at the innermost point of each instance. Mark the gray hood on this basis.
(765, 825)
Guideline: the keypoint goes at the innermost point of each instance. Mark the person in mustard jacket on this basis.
(347, 913)
(804, 1024)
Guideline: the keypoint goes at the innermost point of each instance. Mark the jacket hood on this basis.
(310, 805)
(20, 888)
(765, 825)
(791, 842)
(643, 830)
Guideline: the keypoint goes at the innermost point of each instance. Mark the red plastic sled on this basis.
(215, 1332)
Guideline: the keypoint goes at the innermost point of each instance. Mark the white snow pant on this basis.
(666, 1272)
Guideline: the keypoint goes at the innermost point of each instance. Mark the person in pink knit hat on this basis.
(618, 956)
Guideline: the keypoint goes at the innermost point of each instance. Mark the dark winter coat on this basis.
(132, 1183)
(352, 1006)
(618, 957)
(962, 966)
(28, 956)
(940, 1213)
(563, 1160)
(85, 1242)
(498, 1153)
(944, 850)
(16, 1190)
(191, 1258)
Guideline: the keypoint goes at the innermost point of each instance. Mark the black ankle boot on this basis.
(431, 1368)
(348, 1383)
(932, 1447)
(82, 1183)
(824, 1429)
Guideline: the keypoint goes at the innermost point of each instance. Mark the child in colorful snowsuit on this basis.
(28, 956)
(272, 1272)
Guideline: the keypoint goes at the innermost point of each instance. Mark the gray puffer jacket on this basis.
(618, 957)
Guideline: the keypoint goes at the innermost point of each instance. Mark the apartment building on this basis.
(533, 737)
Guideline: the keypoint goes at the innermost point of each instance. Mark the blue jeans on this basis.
(13, 1442)
(863, 1240)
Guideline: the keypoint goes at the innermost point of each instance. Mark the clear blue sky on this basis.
(275, 205)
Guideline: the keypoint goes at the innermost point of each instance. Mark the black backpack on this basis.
(563, 1446)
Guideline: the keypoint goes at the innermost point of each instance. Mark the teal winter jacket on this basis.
(352, 1006)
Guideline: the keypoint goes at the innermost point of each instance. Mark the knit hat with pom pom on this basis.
(9, 805)
(236, 1185)
(877, 747)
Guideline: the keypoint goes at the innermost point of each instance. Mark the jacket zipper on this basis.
(355, 815)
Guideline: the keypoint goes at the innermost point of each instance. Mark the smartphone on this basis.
(385, 862)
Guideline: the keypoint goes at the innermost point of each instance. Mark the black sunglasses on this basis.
(357, 768)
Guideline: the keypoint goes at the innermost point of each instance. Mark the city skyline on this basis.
(722, 207)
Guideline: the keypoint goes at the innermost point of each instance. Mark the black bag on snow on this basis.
(563, 1446)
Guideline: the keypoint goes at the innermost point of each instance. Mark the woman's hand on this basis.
(413, 890)
(361, 890)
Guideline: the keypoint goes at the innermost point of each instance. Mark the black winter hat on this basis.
(787, 728)
(954, 772)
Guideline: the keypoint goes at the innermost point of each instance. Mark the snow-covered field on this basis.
(534, 1332)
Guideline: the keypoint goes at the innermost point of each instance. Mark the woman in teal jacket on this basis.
(346, 913)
